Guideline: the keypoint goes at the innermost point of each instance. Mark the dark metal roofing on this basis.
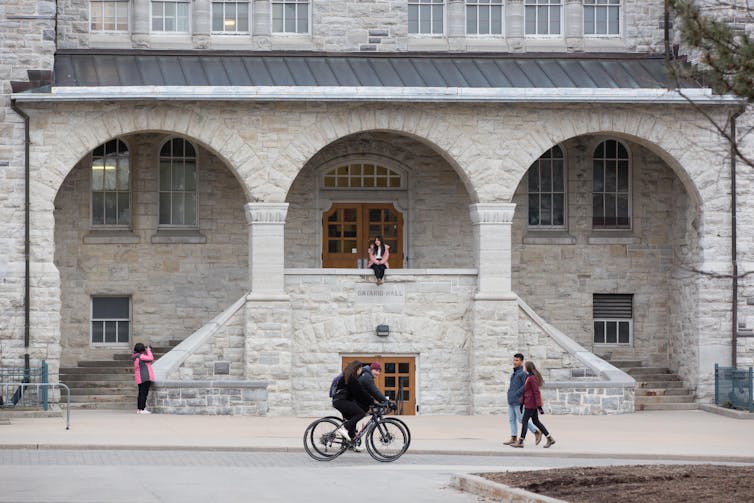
(77, 68)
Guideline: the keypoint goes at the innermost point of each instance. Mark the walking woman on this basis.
(143, 374)
(379, 253)
(531, 401)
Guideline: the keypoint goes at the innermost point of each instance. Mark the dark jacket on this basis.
(516, 388)
(367, 381)
(353, 392)
(532, 397)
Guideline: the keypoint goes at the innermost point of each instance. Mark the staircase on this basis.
(104, 384)
(657, 388)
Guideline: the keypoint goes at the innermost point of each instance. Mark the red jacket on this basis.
(143, 359)
(531, 398)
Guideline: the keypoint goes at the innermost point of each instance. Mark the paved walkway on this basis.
(690, 435)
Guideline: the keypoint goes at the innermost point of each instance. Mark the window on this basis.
(611, 193)
(178, 183)
(542, 17)
(108, 15)
(602, 17)
(111, 195)
(111, 320)
(484, 17)
(230, 17)
(546, 181)
(362, 175)
(426, 16)
(170, 16)
(613, 318)
(290, 16)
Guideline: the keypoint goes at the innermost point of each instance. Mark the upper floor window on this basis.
(602, 17)
(178, 205)
(111, 320)
(547, 190)
(611, 192)
(484, 17)
(362, 175)
(230, 17)
(543, 17)
(111, 193)
(290, 16)
(426, 16)
(171, 16)
(108, 15)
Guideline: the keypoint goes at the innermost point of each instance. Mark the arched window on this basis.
(547, 190)
(178, 205)
(110, 184)
(611, 182)
(362, 175)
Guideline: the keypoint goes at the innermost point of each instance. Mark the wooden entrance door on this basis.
(347, 229)
(396, 381)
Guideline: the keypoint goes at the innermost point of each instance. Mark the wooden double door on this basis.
(397, 381)
(348, 228)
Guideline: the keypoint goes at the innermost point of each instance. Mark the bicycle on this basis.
(386, 438)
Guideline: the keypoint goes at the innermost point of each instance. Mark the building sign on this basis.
(384, 294)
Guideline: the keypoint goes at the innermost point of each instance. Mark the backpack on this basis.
(334, 384)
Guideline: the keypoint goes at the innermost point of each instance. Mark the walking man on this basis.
(515, 390)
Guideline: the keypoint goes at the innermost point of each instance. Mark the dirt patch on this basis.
(643, 483)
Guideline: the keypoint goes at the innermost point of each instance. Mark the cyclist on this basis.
(351, 399)
(368, 373)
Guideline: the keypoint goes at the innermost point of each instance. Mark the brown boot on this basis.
(537, 437)
(512, 441)
(519, 444)
(550, 441)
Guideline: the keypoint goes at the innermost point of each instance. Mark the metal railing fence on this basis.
(15, 395)
(734, 387)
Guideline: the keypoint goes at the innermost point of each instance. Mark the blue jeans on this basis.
(514, 417)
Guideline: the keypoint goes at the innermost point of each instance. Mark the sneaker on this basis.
(145, 411)
(138, 411)
(357, 448)
(343, 433)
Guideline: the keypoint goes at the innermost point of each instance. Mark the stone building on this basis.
(210, 173)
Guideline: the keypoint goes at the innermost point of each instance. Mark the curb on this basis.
(501, 492)
(722, 411)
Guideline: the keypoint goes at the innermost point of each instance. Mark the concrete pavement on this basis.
(684, 435)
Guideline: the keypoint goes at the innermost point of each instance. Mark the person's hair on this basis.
(382, 245)
(519, 356)
(532, 369)
(139, 348)
(351, 370)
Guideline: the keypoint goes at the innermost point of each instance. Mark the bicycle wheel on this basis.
(321, 442)
(405, 427)
(387, 439)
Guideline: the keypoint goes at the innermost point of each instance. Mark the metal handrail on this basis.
(48, 385)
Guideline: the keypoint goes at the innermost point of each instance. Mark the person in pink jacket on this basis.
(531, 402)
(143, 374)
(379, 253)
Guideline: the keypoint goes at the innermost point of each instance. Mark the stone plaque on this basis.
(383, 294)
(222, 368)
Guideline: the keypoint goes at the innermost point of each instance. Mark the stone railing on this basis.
(579, 381)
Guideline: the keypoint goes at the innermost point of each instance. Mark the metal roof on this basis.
(194, 68)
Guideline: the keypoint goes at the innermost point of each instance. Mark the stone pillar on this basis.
(261, 27)
(492, 230)
(514, 27)
(140, 17)
(202, 24)
(573, 17)
(494, 335)
(456, 30)
(266, 240)
(269, 330)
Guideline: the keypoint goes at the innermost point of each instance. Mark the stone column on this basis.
(269, 328)
(261, 27)
(492, 230)
(201, 17)
(574, 25)
(140, 29)
(456, 29)
(514, 24)
(494, 335)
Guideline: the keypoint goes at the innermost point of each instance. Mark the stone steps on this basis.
(660, 391)
(669, 406)
(657, 388)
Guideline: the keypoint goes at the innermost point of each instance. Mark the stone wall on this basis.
(27, 43)
(370, 26)
(223, 397)
(557, 272)
(434, 203)
(177, 282)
